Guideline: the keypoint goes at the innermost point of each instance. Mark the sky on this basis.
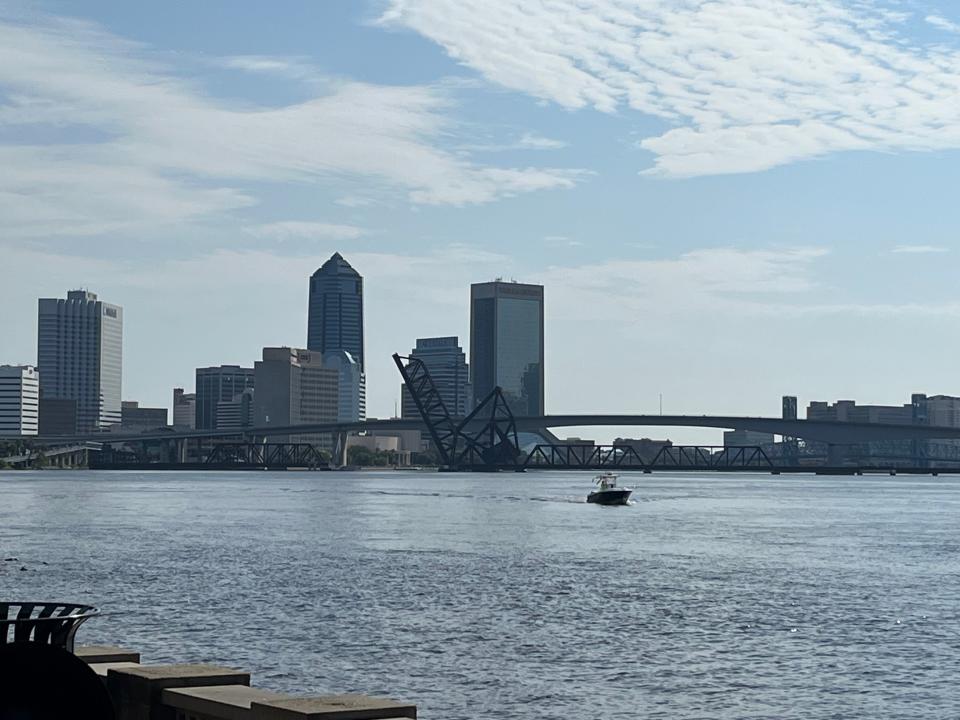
(725, 201)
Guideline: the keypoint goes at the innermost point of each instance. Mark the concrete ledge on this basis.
(105, 654)
(136, 690)
(332, 707)
(102, 668)
(229, 702)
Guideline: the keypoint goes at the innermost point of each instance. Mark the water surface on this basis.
(506, 596)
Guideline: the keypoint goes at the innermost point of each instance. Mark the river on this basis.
(506, 596)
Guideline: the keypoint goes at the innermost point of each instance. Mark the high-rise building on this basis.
(293, 387)
(447, 365)
(351, 401)
(335, 320)
(184, 409)
(19, 400)
(80, 356)
(506, 343)
(217, 385)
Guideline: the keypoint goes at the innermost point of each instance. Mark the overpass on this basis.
(828, 432)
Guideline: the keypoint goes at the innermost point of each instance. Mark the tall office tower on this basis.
(217, 385)
(506, 343)
(335, 320)
(789, 405)
(80, 357)
(19, 400)
(293, 387)
(351, 402)
(184, 409)
(447, 365)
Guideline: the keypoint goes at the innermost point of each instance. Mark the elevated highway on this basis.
(831, 433)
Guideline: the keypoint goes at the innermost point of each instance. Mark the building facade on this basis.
(80, 357)
(746, 438)
(235, 413)
(352, 384)
(19, 400)
(137, 419)
(447, 365)
(217, 385)
(335, 318)
(506, 344)
(294, 387)
(184, 409)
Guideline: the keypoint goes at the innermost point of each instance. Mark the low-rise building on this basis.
(134, 418)
(746, 438)
(184, 409)
(19, 400)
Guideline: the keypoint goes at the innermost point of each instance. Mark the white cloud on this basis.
(745, 85)
(531, 141)
(294, 229)
(942, 23)
(127, 140)
(919, 249)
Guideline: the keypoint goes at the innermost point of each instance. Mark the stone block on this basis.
(332, 707)
(226, 702)
(105, 654)
(102, 668)
(136, 690)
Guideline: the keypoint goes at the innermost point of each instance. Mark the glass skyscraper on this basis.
(506, 343)
(335, 320)
(448, 368)
(80, 357)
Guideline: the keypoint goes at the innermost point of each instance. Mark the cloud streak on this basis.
(743, 86)
(106, 138)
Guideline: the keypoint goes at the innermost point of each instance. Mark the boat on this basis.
(607, 492)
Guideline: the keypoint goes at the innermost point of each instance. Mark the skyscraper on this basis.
(506, 343)
(335, 320)
(80, 357)
(448, 368)
(215, 385)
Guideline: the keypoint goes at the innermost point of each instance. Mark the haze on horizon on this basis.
(725, 202)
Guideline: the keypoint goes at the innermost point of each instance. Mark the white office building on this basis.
(19, 400)
(80, 357)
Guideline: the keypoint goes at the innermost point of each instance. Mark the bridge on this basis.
(488, 438)
(823, 431)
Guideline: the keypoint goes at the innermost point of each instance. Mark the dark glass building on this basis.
(216, 386)
(335, 320)
(335, 324)
(506, 343)
(447, 365)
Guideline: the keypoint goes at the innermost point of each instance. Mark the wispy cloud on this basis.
(943, 23)
(531, 141)
(137, 144)
(746, 85)
(919, 249)
(294, 229)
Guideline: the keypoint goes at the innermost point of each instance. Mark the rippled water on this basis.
(508, 597)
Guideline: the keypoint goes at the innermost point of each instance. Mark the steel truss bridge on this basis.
(669, 457)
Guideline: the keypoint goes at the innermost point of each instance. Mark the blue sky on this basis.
(726, 202)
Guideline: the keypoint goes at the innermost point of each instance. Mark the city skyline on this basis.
(820, 268)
